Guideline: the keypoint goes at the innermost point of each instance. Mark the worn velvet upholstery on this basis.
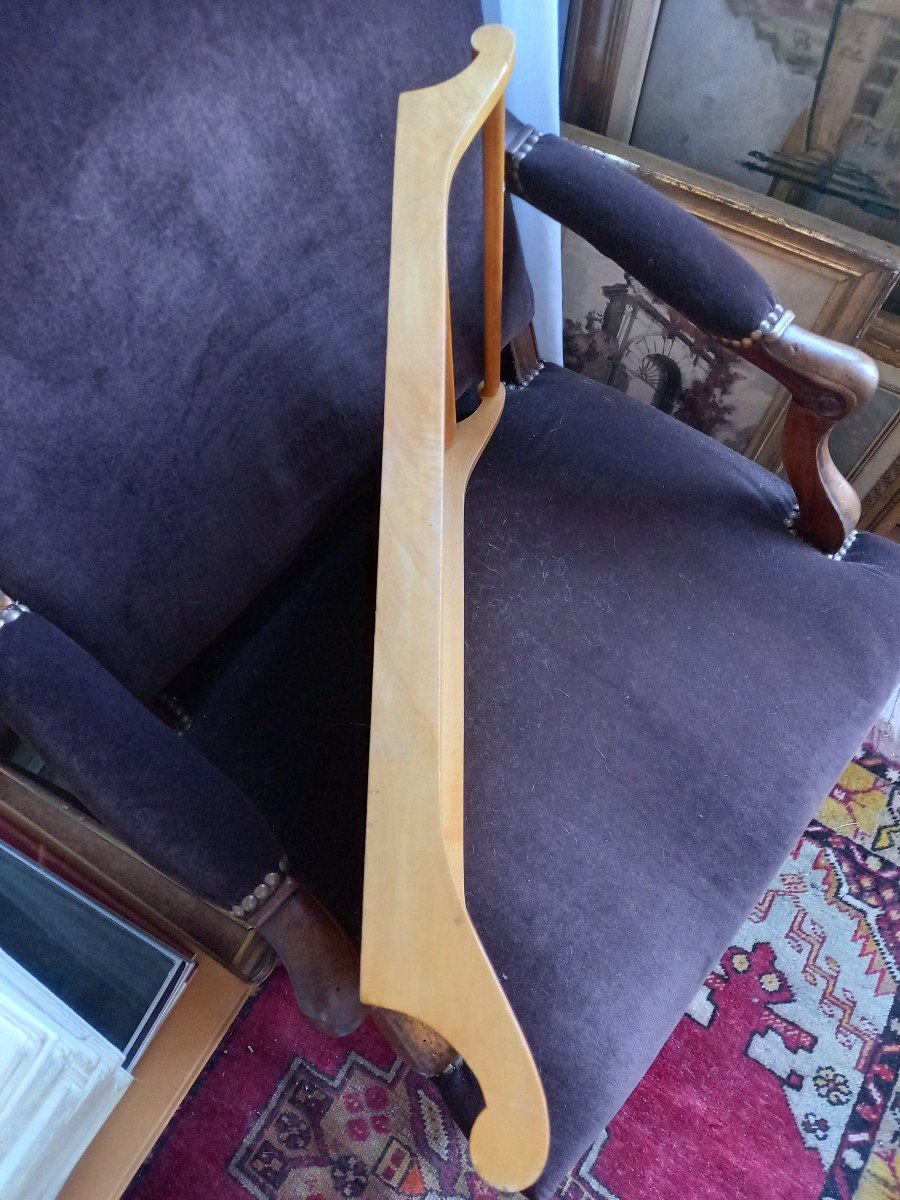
(194, 245)
(143, 781)
(671, 251)
(661, 681)
(281, 705)
(661, 684)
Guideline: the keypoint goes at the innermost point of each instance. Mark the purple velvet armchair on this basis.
(194, 251)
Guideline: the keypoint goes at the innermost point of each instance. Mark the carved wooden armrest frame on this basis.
(421, 954)
(827, 381)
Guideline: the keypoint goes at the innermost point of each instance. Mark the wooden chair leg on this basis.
(521, 359)
(415, 1043)
(321, 959)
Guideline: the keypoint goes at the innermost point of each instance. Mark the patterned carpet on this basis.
(780, 1082)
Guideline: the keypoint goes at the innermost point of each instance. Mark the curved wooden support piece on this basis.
(421, 954)
(827, 382)
(829, 508)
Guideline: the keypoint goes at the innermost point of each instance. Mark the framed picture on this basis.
(881, 511)
(868, 452)
(799, 101)
(868, 441)
(605, 57)
(835, 280)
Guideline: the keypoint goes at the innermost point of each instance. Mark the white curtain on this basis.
(533, 95)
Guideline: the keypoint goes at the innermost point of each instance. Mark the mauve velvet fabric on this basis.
(194, 245)
(281, 705)
(143, 782)
(661, 682)
(671, 251)
(661, 685)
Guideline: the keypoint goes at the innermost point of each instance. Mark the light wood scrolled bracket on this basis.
(827, 382)
(421, 954)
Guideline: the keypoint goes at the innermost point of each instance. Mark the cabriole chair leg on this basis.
(322, 961)
(318, 955)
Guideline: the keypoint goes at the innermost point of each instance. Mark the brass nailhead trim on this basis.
(527, 146)
(12, 612)
(262, 891)
(840, 554)
(765, 327)
(529, 378)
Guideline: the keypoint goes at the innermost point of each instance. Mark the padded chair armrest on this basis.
(651, 237)
(116, 755)
(696, 272)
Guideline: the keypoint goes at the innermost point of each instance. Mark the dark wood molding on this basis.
(520, 357)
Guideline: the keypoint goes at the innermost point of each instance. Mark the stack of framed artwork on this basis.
(780, 127)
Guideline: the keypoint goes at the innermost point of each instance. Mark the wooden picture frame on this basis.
(182, 1047)
(607, 47)
(836, 280)
(798, 102)
(876, 475)
(881, 507)
(882, 338)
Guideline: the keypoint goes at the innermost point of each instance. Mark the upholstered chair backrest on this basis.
(194, 240)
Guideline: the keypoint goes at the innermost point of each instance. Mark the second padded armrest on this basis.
(136, 775)
(652, 238)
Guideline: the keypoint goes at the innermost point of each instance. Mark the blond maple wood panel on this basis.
(472, 435)
(463, 448)
(420, 952)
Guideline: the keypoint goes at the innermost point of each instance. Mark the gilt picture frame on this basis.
(876, 472)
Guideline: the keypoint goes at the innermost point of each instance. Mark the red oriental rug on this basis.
(780, 1083)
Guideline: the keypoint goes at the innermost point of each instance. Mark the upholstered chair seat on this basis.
(662, 682)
